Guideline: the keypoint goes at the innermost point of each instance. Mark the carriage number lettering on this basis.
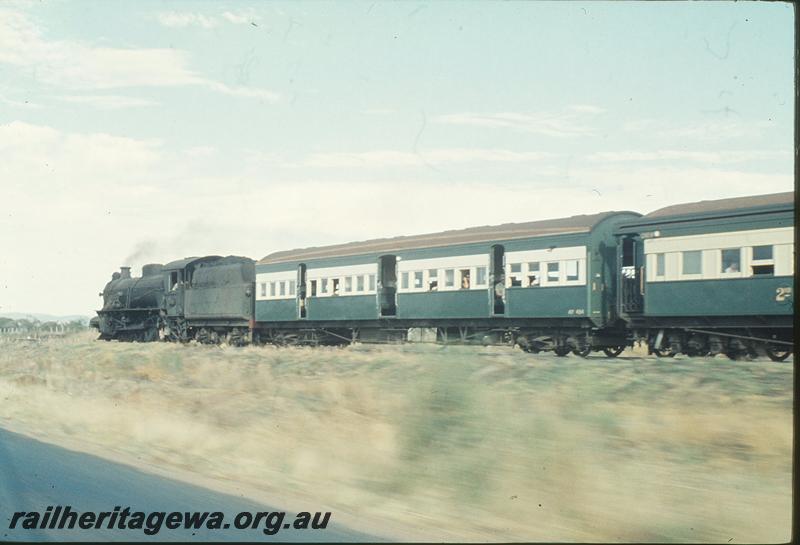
(576, 311)
(782, 294)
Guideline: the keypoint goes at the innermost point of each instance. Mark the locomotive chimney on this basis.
(124, 272)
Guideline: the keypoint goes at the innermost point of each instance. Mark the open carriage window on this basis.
(553, 272)
(763, 263)
(433, 279)
(731, 261)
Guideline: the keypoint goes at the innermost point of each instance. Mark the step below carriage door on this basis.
(497, 280)
(387, 286)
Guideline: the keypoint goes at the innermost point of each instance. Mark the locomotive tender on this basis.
(700, 278)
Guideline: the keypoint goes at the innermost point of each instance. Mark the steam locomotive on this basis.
(700, 278)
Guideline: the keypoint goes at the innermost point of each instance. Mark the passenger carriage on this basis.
(711, 277)
(546, 285)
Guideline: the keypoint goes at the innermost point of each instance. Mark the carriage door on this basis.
(387, 286)
(631, 276)
(302, 311)
(497, 280)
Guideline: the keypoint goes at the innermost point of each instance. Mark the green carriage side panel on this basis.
(443, 304)
(348, 307)
(541, 302)
(728, 297)
(276, 310)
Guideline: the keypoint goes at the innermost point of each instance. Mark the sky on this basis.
(146, 131)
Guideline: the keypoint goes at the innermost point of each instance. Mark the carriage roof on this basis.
(486, 233)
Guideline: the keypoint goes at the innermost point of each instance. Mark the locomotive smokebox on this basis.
(152, 269)
(124, 272)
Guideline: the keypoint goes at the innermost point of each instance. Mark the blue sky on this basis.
(143, 131)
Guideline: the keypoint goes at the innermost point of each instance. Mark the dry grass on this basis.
(466, 442)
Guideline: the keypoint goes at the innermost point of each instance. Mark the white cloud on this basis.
(239, 18)
(201, 151)
(79, 66)
(389, 158)
(240, 91)
(587, 108)
(178, 19)
(569, 123)
(108, 102)
(42, 157)
(19, 103)
(711, 130)
(379, 111)
(724, 156)
(173, 19)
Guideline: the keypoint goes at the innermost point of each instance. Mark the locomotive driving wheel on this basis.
(562, 351)
(582, 351)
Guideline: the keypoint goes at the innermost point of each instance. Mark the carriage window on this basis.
(762, 253)
(313, 288)
(572, 269)
(480, 276)
(433, 279)
(371, 282)
(465, 284)
(348, 284)
(552, 272)
(449, 278)
(272, 289)
(360, 282)
(693, 262)
(404, 281)
(660, 265)
(533, 274)
(731, 260)
(291, 287)
(335, 289)
(263, 289)
(282, 287)
(323, 285)
(515, 278)
(765, 270)
(417, 279)
(762, 261)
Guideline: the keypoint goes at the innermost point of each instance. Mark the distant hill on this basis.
(44, 317)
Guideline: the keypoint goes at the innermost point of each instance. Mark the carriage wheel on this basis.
(776, 354)
(613, 351)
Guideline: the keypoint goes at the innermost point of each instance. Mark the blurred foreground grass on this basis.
(465, 443)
